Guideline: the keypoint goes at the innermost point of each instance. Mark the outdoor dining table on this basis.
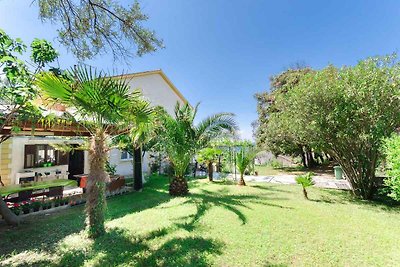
(12, 189)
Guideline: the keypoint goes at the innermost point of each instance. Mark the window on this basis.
(125, 155)
(44, 155)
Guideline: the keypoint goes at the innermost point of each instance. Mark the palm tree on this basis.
(209, 155)
(139, 138)
(100, 104)
(181, 139)
(244, 159)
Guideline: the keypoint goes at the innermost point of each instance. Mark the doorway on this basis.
(76, 163)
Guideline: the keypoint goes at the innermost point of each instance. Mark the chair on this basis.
(22, 196)
(116, 184)
(58, 173)
(55, 191)
(47, 175)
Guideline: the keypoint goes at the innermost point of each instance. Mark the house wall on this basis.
(159, 93)
(16, 153)
(125, 166)
(154, 87)
(156, 90)
(6, 162)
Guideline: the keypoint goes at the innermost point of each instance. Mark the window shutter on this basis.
(29, 156)
(63, 158)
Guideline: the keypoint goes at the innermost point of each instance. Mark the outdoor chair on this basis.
(22, 196)
(55, 192)
(116, 184)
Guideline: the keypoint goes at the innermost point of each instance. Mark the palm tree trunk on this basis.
(305, 193)
(8, 215)
(178, 187)
(241, 181)
(95, 204)
(137, 169)
(210, 171)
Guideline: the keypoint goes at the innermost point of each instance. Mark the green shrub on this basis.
(111, 169)
(305, 181)
(36, 205)
(275, 164)
(392, 153)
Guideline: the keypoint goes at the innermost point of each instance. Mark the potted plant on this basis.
(16, 209)
(46, 205)
(66, 200)
(35, 205)
(25, 207)
(57, 202)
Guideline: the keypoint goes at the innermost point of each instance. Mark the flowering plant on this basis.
(16, 208)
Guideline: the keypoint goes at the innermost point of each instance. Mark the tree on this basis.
(392, 157)
(348, 112)
(244, 159)
(17, 91)
(181, 139)
(140, 138)
(277, 135)
(209, 155)
(100, 104)
(92, 27)
(305, 181)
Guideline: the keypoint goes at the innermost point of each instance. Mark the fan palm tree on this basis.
(100, 104)
(140, 137)
(244, 159)
(181, 139)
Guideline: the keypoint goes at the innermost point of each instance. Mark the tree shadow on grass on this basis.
(44, 232)
(188, 251)
(205, 200)
(269, 188)
(116, 248)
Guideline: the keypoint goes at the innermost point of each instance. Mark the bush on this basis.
(275, 164)
(36, 205)
(392, 153)
(111, 169)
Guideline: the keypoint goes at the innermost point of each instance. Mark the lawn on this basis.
(218, 224)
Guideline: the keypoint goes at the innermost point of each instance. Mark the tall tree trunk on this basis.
(178, 187)
(95, 204)
(137, 169)
(303, 159)
(210, 171)
(241, 181)
(8, 215)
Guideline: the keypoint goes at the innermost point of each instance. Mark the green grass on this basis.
(269, 170)
(218, 224)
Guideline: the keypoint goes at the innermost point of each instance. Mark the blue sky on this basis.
(220, 53)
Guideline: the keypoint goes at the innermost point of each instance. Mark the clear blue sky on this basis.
(220, 53)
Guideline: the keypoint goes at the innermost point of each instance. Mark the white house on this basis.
(24, 156)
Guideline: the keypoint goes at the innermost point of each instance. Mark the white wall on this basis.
(18, 149)
(156, 90)
(124, 166)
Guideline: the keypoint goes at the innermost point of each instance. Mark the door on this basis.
(76, 163)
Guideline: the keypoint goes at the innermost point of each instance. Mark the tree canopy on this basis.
(92, 27)
(346, 112)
